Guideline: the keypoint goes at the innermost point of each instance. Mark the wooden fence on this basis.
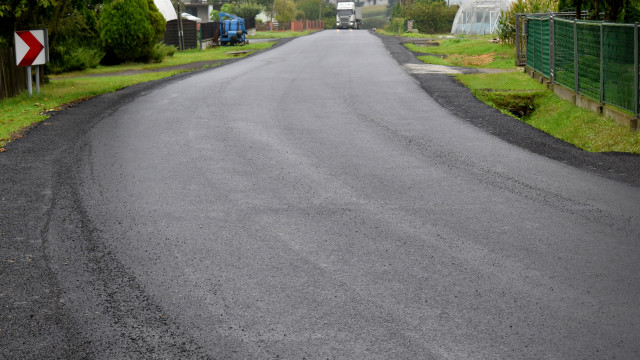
(13, 79)
(299, 25)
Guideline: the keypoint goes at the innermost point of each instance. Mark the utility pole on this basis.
(180, 32)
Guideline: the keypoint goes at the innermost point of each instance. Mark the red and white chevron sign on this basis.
(30, 47)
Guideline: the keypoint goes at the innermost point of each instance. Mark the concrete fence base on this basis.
(617, 115)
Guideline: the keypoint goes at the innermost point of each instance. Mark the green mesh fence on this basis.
(538, 45)
(564, 53)
(532, 25)
(589, 59)
(617, 58)
(544, 46)
(618, 66)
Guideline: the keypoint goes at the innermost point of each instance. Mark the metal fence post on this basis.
(518, 34)
(552, 49)
(635, 67)
(575, 54)
(602, 63)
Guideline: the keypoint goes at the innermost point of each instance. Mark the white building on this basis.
(479, 16)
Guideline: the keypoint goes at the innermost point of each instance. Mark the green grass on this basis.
(580, 127)
(22, 111)
(468, 52)
(279, 34)
(415, 35)
(179, 58)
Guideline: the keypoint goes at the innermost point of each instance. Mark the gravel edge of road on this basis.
(459, 100)
(34, 322)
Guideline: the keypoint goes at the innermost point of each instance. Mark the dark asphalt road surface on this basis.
(312, 201)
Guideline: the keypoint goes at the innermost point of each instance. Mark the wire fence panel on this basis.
(618, 66)
(532, 25)
(603, 55)
(538, 45)
(564, 53)
(589, 59)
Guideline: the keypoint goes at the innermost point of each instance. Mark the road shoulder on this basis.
(459, 100)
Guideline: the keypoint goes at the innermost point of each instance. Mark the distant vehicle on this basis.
(348, 16)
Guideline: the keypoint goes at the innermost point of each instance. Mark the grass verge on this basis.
(517, 95)
(20, 112)
(279, 34)
(477, 52)
(179, 58)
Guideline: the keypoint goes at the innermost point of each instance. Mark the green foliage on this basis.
(245, 10)
(160, 51)
(507, 22)
(397, 25)
(299, 15)
(311, 8)
(70, 57)
(158, 23)
(434, 17)
(285, 10)
(23, 14)
(128, 29)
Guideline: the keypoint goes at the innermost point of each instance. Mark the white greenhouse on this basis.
(479, 16)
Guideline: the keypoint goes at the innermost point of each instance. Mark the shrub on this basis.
(397, 25)
(507, 22)
(129, 29)
(160, 51)
(248, 10)
(435, 17)
(70, 57)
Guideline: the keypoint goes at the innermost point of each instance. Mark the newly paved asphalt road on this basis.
(308, 202)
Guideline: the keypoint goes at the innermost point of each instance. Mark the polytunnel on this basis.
(479, 17)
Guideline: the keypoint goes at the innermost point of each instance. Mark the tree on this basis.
(431, 17)
(247, 10)
(311, 8)
(129, 29)
(285, 10)
(23, 14)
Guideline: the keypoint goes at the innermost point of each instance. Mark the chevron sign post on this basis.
(32, 48)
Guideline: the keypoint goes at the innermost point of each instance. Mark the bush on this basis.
(129, 29)
(248, 10)
(160, 51)
(73, 44)
(435, 17)
(507, 22)
(70, 57)
(397, 25)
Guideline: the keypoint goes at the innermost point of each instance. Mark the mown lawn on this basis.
(479, 52)
(516, 94)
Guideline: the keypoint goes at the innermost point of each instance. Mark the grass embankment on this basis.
(516, 94)
(470, 52)
(279, 34)
(22, 111)
(417, 35)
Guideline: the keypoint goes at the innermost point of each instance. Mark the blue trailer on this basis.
(232, 29)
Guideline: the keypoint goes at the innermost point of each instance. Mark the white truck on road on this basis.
(348, 16)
